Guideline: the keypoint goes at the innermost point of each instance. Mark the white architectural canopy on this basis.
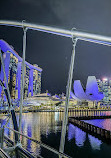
(90, 93)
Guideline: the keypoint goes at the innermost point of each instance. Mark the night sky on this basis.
(52, 53)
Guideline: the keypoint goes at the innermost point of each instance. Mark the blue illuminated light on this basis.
(73, 96)
(7, 50)
(90, 93)
(5, 47)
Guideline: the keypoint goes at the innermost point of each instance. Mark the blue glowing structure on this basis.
(79, 91)
(92, 89)
(91, 93)
(73, 96)
(7, 50)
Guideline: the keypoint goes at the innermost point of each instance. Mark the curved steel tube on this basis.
(95, 38)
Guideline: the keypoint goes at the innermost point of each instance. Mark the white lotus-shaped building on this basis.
(90, 93)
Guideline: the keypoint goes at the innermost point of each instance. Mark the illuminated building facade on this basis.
(105, 87)
(36, 81)
(13, 69)
(12, 75)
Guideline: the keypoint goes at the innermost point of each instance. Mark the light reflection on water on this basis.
(46, 127)
(95, 142)
(77, 133)
(102, 123)
(80, 137)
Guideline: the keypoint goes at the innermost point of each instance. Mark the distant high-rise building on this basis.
(12, 79)
(105, 87)
(12, 75)
(36, 81)
(13, 69)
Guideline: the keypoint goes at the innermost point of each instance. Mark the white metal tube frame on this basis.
(68, 89)
(95, 38)
(23, 75)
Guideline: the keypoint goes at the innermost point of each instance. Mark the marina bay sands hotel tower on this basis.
(13, 69)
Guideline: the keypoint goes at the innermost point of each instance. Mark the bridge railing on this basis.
(62, 155)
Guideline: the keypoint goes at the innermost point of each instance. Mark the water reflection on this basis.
(95, 142)
(102, 123)
(34, 125)
(80, 137)
(46, 127)
(71, 131)
(77, 133)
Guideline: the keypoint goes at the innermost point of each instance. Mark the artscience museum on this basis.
(90, 93)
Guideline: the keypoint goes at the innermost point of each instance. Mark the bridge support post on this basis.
(23, 75)
(69, 83)
(1, 137)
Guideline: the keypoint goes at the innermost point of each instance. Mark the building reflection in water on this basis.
(71, 132)
(44, 124)
(78, 134)
(34, 125)
(95, 142)
(29, 133)
(81, 136)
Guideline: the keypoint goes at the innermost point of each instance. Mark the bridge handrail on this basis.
(41, 144)
(85, 36)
